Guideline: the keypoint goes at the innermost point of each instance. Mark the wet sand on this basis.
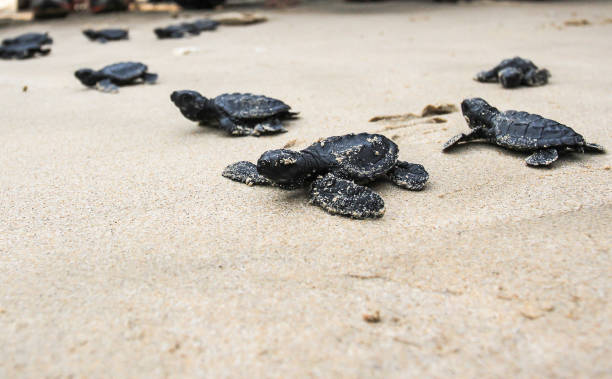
(125, 253)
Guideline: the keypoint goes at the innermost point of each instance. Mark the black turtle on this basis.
(239, 114)
(336, 169)
(119, 74)
(179, 30)
(514, 72)
(520, 131)
(105, 35)
(25, 46)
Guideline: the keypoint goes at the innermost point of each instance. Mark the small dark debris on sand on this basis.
(438, 120)
(364, 277)
(433, 120)
(429, 110)
(372, 318)
(433, 110)
(24, 89)
(239, 18)
(577, 22)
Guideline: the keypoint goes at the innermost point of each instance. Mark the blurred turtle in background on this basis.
(105, 35)
(102, 6)
(50, 8)
(25, 46)
(199, 4)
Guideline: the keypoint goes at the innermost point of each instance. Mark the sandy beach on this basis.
(125, 253)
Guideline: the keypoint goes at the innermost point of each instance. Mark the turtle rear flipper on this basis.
(150, 78)
(244, 172)
(542, 157)
(462, 137)
(269, 127)
(107, 86)
(594, 147)
(411, 176)
(346, 198)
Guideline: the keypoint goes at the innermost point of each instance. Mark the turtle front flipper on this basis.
(593, 147)
(411, 176)
(510, 77)
(537, 77)
(107, 86)
(486, 76)
(346, 198)
(233, 128)
(542, 157)
(462, 137)
(244, 172)
(269, 127)
(149, 78)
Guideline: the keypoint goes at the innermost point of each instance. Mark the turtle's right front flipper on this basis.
(542, 157)
(411, 176)
(489, 76)
(346, 198)
(474, 134)
(244, 172)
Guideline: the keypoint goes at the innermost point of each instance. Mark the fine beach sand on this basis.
(125, 253)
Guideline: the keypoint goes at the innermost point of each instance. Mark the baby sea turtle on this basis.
(239, 114)
(25, 46)
(514, 72)
(193, 28)
(335, 168)
(520, 131)
(105, 35)
(119, 74)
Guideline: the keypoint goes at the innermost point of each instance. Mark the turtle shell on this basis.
(124, 71)
(524, 65)
(361, 157)
(29, 38)
(112, 34)
(526, 131)
(249, 106)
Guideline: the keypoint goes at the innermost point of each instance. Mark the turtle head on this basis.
(193, 105)
(477, 112)
(91, 34)
(286, 166)
(87, 76)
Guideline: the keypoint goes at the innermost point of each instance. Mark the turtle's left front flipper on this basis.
(472, 135)
(107, 86)
(411, 176)
(593, 147)
(244, 172)
(346, 198)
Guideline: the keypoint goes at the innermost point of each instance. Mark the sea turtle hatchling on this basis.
(514, 72)
(179, 30)
(25, 46)
(109, 78)
(239, 114)
(335, 169)
(105, 35)
(520, 131)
